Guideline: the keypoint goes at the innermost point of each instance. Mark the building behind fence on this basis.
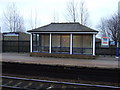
(16, 42)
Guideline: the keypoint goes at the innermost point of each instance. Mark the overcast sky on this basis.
(47, 9)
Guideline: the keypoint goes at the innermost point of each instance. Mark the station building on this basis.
(63, 38)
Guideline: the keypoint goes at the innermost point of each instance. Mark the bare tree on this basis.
(111, 27)
(34, 21)
(13, 21)
(102, 26)
(114, 27)
(55, 16)
(77, 12)
(83, 13)
(72, 11)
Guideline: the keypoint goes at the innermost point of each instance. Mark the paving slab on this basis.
(100, 61)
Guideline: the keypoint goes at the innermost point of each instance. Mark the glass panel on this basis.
(65, 43)
(34, 38)
(45, 43)
(55, 40)
(65, 40)
(55, 43)
(35, 42)
(82, 44)
(87, 44)
(45, 40)
(87, 41)
(60, 43)
(77, 41)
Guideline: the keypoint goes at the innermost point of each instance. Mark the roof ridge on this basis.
(65, 23)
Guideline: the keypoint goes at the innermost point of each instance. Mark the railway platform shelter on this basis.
(63, 38)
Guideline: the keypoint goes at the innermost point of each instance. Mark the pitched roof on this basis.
(63, 27)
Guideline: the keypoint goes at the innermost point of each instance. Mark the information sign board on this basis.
(105, 42)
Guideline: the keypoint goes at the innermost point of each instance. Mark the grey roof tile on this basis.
(63, 27)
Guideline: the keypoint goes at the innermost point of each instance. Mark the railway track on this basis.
(17, 83)
(62, 72)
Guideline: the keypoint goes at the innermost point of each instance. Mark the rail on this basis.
(77, 85)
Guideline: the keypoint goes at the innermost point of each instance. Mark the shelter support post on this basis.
(31, 43)
(50, 43)
(93, 44)
(71, 43)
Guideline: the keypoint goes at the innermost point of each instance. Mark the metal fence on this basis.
(15, 46)
(111, 50)
(24, 46)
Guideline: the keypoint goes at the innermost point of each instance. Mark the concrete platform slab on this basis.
(101, 61)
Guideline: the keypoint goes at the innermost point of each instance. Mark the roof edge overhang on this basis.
(68, 32)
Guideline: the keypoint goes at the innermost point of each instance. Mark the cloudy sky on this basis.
(47, 9)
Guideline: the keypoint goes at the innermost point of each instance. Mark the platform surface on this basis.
(101, 61)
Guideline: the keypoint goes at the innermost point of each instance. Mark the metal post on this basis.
(31, 43)
(50, 43)
(71, 43)
(93, 44)
(117, 50)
